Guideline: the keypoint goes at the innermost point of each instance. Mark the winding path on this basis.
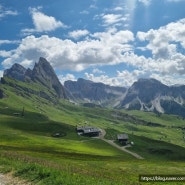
(122, 148)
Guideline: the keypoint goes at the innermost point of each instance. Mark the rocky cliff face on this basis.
(42, 73)
(152, 95)
(91, 92)
(16, 72)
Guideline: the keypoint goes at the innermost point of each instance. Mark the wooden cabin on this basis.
(122, 138)
(88, 131)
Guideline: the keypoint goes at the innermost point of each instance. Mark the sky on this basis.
(111, 41)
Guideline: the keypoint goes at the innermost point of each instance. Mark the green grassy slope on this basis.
(28, 148)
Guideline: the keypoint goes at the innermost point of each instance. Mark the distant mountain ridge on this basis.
(91, 92)
(152, 95)
(144, 94)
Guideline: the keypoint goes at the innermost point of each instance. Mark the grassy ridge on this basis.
(28, 148)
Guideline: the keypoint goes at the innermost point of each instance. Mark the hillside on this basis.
(32, 115)
(70, 157)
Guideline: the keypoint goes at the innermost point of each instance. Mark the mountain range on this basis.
(144, 94)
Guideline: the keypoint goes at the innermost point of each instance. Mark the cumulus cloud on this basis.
(103, 78)
(5, 54)
(97, 71)
(78, 34)
(164, 44)
(68, 76)
(42, 22)
(122, 78)
(169, 79)
(105, 48)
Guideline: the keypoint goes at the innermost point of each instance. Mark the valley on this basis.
(74, 159)
(29, 150)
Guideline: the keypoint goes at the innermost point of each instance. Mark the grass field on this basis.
(28, 149)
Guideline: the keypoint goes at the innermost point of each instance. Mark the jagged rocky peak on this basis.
(43, 68)
(147, 83)
(145, 90)
(45, 74)
(16, 72)
(147, 87)
(42, 73)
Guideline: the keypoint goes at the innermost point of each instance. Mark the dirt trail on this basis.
(111, 142)
(8, 179)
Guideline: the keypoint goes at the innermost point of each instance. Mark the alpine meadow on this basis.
(92, 92)
(40, 143)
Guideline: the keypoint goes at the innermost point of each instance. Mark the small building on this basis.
(16, 114)
(122, 138)
(88, 131)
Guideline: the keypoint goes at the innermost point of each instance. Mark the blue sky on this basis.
(110, 41)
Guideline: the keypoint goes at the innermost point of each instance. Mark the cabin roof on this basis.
(88, 129)
(122, 136)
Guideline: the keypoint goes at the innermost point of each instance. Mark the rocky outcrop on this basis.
(16, 72)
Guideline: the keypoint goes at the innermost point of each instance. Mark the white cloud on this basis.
(78, 33)
(164, 44)
(5, 54)
(68, 76)
(4, 12)
(169, 79)
(118, 8)
(9, 42)
(103, 78)
(145, 2)
(97, 71)
(84, 12)
(42, 22)
(93, 5)
(104, 48)
(123, 78)
(110, 19)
